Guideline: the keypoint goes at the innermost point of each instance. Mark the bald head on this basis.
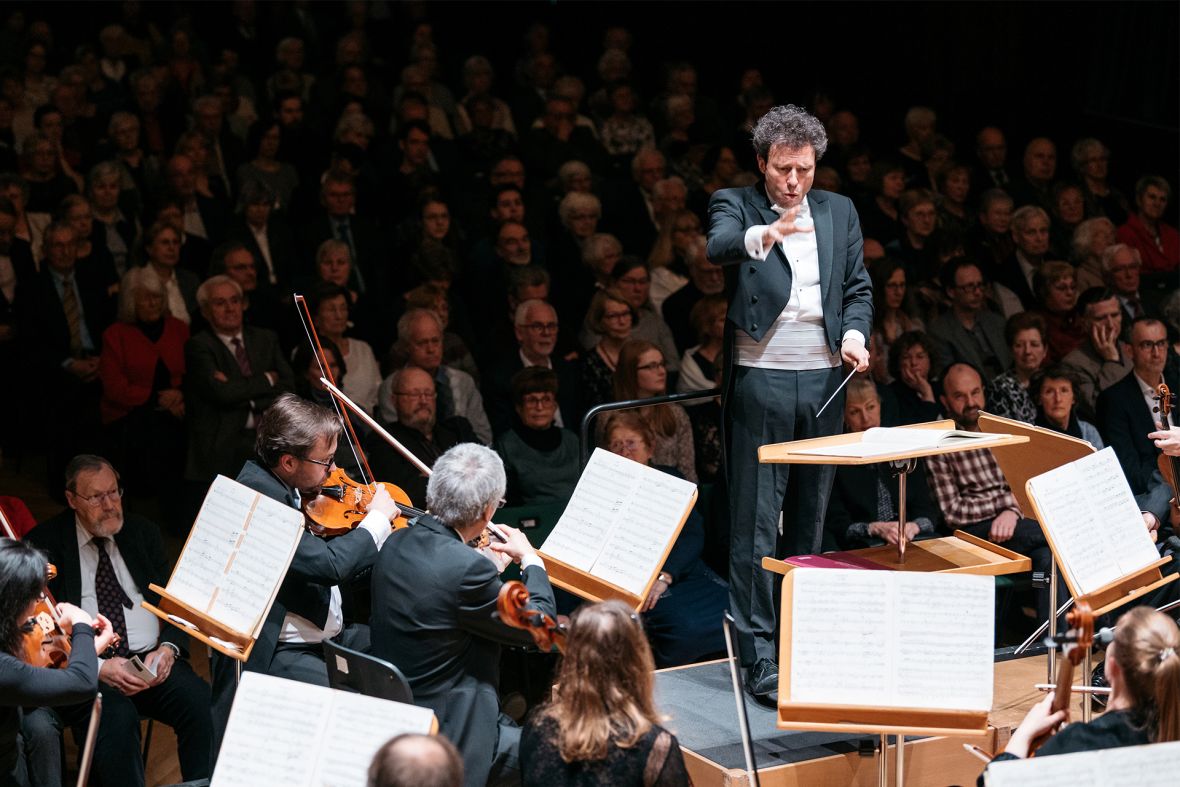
(416, 761)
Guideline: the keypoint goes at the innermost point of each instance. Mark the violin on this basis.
(343, 503)
(46, 644)
(1075, 643)
(512, 604)
(1169, 465)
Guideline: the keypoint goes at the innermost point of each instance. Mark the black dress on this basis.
(541, 762)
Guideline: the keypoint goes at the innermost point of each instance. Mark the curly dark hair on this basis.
(22, 578)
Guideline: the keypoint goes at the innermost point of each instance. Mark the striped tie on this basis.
(69, 304)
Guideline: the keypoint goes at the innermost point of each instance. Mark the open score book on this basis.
(886, 440)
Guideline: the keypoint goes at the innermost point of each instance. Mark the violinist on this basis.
(106, 560)
(296, 449)
(1143, 668)
(434, 599)
(1167, 440)
(22, 581)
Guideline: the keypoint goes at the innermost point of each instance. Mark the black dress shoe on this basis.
(762, 682)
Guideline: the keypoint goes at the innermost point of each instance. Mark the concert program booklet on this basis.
(1153, 765)
(886, 440)
(621, 521)
(236, 556)
(1092, 520)
(300, 735)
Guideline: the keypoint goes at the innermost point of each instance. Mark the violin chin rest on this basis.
(334, 492)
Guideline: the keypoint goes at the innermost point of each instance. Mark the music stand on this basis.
(727, 624)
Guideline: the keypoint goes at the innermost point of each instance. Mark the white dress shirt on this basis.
(143, 628)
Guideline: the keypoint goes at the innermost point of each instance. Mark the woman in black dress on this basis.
(600, 727)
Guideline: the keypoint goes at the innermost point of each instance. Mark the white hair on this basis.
(463, 483)
(521, 316)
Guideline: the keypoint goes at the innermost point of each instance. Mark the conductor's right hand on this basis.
(383, 504)
(783, 227)
(516, 546)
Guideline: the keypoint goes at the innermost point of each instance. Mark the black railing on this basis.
(588, 444)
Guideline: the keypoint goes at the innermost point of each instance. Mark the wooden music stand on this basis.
(960, 553)
(884, 721)
(201, 626)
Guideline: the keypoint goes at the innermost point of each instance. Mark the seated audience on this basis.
(106, 560)
(1056, 287)
(894, 313)
(864, 504)
(409, 760)
(1102, 359)
(542, 460)
(1090, 239)
(328, 304)
(437, 297)
(668, 260)
(1055, 392)
(1158, 242)
(701, 365)
(612, 318)
(577, 737)
(704, 279)
(1142, 665)
(631, 280)
(162, 247)
(1007, 393)
(1014, 280)
(642, 373)
(969, 332)
(1120, 273)
(909, 399)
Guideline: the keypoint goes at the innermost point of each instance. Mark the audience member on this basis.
(1100, 360)
(913, 366)
(1091, 161)
(893, 313)
(1055, 392)
(1035, 185)
(612, 318)
(1014, 280)
(641, 373)
(542, 460)
(1008, 393)
(1158, 243)
(631, 279)
(1090, 239)
(704, 279)
(329, 307)
(700, 366)
(669, 255)
(1056, 287)
(1121, 264)
(162, 247)
(968, 331)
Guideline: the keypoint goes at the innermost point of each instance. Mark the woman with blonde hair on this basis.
(600, 725)
(1143, 669)
(642, 373)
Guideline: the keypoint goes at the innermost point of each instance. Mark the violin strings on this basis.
(304, 320)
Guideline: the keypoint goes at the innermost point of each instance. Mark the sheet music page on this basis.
(274, 733)
(619, 520)
(895, 639)
(944, 641)
(1096, 526)
(370, 722)
(1153, 765)
(884, 440)
(236, 555)
(840, 621)
(277, 729)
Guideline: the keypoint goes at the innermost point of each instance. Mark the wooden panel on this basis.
(1046, 450)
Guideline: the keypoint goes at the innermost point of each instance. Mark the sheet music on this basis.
(895, 639)
(1153, 765)
(278, 734)
(884, 440)
(1098, 532)
(619, 520)
(236, 555)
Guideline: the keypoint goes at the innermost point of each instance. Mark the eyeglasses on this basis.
(1134, 266)
(971, 286)
(1147, 345)
(331, 462)
(651, 367)
(538, 400)
(619, 446)
(94, 501)
(417, 394)
(617, 315)
(541, 327)
(234, 300)
(634, 282)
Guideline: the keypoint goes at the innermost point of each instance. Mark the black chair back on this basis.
(352, 670)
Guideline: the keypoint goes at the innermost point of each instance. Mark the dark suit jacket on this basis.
(953, 343)
(140, 545)
(497, 397)
(434, 600)
(1011, 277)
(283, 251)
(854, 498)
(1125, 422)
(217, 412)
(372, 255)
(759, 290)
(44, 320)
(318, 564)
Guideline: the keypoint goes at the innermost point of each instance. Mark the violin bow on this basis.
(313, 337)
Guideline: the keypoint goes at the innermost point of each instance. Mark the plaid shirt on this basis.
(969, 487)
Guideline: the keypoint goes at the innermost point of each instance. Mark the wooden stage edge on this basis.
(929, 762)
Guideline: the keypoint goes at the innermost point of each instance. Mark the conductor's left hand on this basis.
(854, 354)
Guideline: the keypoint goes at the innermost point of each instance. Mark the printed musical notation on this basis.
(620, 520)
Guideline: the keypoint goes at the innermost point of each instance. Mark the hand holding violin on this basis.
(383, 503)
(70, 614)
(516, 544)
(1041, 719)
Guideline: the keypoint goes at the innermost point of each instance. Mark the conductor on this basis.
(800, 306)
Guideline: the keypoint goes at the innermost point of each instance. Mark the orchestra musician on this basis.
(1143, 669)
(433, 602)
(296, 446)
(24, 686)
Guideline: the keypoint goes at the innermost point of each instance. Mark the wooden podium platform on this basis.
(699, 700)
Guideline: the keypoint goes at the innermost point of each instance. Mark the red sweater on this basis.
(1155, 259)
(127, 365)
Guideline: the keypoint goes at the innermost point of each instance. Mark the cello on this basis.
(1075, 643)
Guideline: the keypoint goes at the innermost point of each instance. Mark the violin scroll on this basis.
(1075, 643)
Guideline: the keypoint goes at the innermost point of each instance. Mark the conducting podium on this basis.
(901, 447)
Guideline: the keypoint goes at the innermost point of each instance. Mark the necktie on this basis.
(242, 358)
(112, 599)
(69, 304)
(1135, 307)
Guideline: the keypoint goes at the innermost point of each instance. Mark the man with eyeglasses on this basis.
(1121, 265)
(295, 453)
(969, 332)
(1101, 360)
(1127, 410)
(106, 560)
(412, 395)
(536, 328)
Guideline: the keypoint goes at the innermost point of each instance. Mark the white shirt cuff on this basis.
(378, 527)
(531, 560)
(754, 242)
(856, 335)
